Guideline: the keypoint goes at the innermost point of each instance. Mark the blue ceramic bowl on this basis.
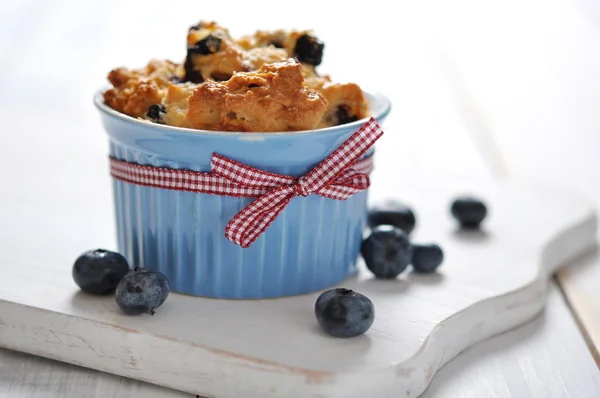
(313, 244)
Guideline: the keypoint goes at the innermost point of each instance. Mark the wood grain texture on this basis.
(544, 358)
(579, 283)
(541, 115)
(524, 363)
(25, 376)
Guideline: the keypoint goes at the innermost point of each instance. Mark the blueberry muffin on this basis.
(263, 82)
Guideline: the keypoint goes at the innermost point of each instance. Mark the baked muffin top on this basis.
(263, 82)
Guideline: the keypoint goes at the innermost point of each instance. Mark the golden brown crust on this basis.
(136, 89)
(282, 39)
(133, 98)
(206, 106)
(273, 98)
(221, 56)
(347, 102)
(177, 104)
(249, 84)
(161, 72)
(226, 56)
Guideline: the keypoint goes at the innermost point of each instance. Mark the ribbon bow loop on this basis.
(333, 178)
(245, 175)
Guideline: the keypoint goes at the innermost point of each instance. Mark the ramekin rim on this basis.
(102, 107)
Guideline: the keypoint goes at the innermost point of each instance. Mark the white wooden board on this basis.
(514, 364)
(549, 130)
(544, 358)
(490, 282)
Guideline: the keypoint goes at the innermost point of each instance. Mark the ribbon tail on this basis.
(352, 177)
(343, 188)
(253, 220)
(347, 154)
(339, 192)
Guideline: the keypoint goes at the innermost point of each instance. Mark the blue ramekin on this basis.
(313, 244)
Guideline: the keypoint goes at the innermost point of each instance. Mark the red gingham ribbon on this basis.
(338, 176)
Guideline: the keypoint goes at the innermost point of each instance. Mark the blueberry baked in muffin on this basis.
(263, 82)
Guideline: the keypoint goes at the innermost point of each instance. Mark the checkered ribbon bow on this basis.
(338, 176)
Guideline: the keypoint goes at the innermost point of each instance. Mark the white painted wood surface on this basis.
(516, 364)
(491, 281)
(95, 37)
(541, 113)
(523, 363)
(23, 375)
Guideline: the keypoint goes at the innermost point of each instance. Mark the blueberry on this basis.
(99, 271)
(344, 313)
(426, 258)
(393, 213)
(191, 74)
(156, 112)
(309, 50)
(469, 211)
(209, 45)
(196, 27)
(220, 76)
(141, 291)
(344, 115)
(387, 251)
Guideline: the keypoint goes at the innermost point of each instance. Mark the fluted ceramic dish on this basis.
(313, 244)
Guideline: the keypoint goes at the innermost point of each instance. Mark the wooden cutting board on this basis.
(491, 281)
